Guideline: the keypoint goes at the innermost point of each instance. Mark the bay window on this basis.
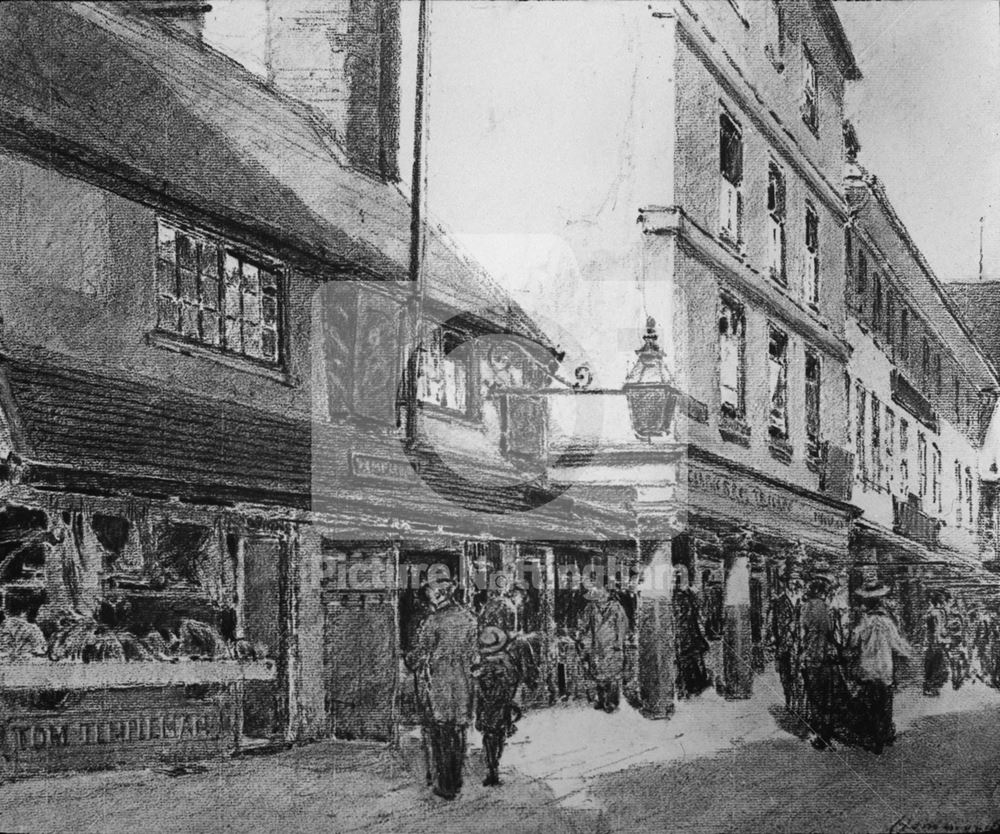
(443, 379)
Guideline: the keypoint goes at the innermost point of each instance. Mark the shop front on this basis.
(136, 631)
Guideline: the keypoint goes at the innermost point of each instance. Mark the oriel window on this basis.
(776, 223)
(731, 169)
(732, 352)
(813, 402)
(444, 376)
(778, 382)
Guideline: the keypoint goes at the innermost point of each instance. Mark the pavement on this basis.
(715, 765)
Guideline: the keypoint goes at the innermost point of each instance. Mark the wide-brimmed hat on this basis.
(820, 570)
(492, 640)
(873, 589)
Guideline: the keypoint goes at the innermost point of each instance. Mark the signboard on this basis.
(117, 727)
(743, 497)
(379, 468)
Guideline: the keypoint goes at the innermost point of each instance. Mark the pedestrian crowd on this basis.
(839, 665)
(471, 665)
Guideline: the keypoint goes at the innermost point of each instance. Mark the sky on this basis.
(927, 112)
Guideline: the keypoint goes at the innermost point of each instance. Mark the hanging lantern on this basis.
(649, 389)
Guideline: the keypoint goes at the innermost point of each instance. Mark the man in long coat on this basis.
(602, 634)
(692, 679)
(785, 634)
(936, 646)
(819, 657)
(443, 660)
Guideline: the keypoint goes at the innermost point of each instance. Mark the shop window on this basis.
(876, 420)
(776, 223)
(23, 537)
(731, 169)
(921, 465)
(215, 296)
(812, 255)
(183, 553)
(813, 403)
(732, 353)
(444, 377)
(778, 384)
(904, 457)
(890, 448)
(904, 333)
(810, 92)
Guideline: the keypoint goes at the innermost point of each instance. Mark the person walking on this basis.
(602, 634)
(443, 660)
(496, 709)
(784, 617)
(692, 679)
(818, 656)
(877, 641)
(936, 646)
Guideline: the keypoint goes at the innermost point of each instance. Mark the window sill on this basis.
(780, 449)
(178, 344)
(734, 430)
(736, 247)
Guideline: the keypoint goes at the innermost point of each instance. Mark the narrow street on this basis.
(715, 766)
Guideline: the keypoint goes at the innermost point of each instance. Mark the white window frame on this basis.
(732, 315)
(730, 189)
(811, 256)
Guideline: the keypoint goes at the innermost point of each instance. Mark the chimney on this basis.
(343, 58)
(188, 15)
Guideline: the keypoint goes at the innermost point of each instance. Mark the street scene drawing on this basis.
(424, 416)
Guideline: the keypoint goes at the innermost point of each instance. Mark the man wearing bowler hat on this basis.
(443, 661)
(877, 640)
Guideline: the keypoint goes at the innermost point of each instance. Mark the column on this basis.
(737, 643)
(657, 657)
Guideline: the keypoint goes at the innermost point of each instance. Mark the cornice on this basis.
(673, 221)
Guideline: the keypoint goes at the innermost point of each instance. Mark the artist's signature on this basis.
(908, 826)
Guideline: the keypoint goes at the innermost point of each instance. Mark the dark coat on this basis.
(603, 629)
(443, 661)
(498, 677)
